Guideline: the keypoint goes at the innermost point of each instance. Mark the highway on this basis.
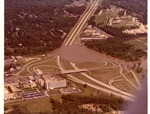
(71, 77)
(103, 84)
(80, 24)
(121, 72)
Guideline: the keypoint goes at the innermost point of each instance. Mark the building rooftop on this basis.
(52, 77)
(10, 81)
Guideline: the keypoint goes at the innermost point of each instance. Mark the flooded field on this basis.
(78, 54)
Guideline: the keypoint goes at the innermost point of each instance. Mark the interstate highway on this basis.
(80, 24)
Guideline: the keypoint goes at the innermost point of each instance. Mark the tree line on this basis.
(116, 47)
(105, 102)
(70, 104)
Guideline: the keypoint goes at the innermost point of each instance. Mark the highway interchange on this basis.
(108, 88)
(70, 40)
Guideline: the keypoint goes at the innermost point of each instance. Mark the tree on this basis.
(84, 85)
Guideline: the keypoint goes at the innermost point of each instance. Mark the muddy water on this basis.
(77, 53)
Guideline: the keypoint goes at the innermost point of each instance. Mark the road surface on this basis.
(80, 24)
(71, 77)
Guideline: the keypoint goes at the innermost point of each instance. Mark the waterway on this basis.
(77, 53)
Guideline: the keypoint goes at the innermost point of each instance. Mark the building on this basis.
(31, 78)
(14, 88)
(9, 96)
(32, 84)
(10, 81)
(52, 81)
(89, 31)
(6, 91)
(11, 70)
(41, 82)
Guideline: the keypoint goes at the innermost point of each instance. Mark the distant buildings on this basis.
(18, 88)
(53, 81)
(93, 33)
(27, 82)
(142, 29)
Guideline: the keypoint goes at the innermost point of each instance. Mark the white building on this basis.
(53, 81)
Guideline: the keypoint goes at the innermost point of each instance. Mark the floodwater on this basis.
(76, 53)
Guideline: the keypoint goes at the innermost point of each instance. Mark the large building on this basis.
(52, 81)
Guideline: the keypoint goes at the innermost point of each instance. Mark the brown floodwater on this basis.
(77, 53)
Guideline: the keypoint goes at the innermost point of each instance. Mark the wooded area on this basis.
(116, 47)
(71, 103)
(37, 26)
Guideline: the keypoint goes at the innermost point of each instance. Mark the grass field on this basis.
(24, 73)
(47, 68)
(109, 64)
(105, 75)
(124, 86)
(47, 61)
(35, 106)
(132, 79)
(50, 61)
(87, 90)
(90, 64)
(119, 86)
(81, 77)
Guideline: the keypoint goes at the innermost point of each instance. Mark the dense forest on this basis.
(104, 102)
(116, 47)
(37, 26)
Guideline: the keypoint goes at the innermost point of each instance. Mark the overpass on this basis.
(74, 71)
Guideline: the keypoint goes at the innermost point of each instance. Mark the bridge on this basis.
(74, 71)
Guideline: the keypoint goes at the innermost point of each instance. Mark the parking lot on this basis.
(24, 79)
(33, 94)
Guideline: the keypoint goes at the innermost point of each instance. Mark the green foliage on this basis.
(74, 101)
(37, 26)
(5, 108)
(116, 47)
(76, 10)
(84, 85)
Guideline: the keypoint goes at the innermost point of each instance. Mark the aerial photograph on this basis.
(75, 56)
